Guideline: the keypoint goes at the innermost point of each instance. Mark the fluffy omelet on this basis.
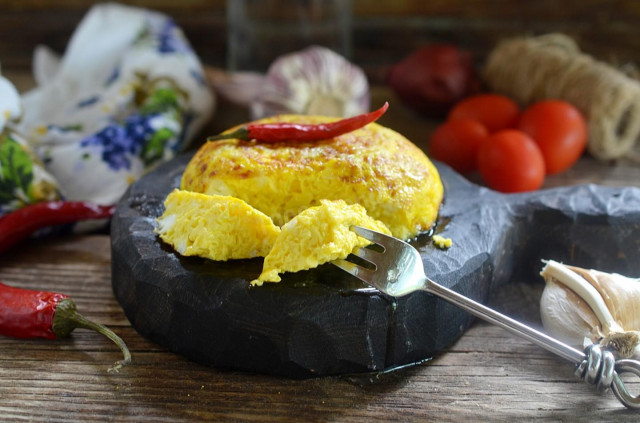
(215, 227)
(373, 166)
(317, 235)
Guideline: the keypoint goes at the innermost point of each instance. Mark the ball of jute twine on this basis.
(553, 67)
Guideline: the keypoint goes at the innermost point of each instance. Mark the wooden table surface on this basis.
(488, 375)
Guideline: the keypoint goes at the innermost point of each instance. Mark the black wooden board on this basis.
(325, 322)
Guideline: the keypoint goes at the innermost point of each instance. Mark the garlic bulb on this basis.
(314, 81)
(581, 307)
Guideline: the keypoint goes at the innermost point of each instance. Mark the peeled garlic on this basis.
(314, 81)
(581, 307)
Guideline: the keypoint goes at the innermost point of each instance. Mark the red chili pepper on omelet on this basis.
(283, 131)
(26, 313)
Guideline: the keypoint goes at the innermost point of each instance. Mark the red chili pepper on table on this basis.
(19, 224)
(26, 313)
(283, 131)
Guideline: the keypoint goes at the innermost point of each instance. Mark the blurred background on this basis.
(381, 32)
(374, 35)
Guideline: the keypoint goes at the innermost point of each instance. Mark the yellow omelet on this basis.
(373, 166)
(215, 227)
(317, 235)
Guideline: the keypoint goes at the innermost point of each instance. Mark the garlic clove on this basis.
(620, 293)
(581, 306)
(566, 317)
(314, 81)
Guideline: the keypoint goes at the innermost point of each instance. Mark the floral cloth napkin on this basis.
(128, 93)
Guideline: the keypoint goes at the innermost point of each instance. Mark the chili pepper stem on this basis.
(67, 318)
(240, 134)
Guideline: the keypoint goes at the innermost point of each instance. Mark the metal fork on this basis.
(397, 270)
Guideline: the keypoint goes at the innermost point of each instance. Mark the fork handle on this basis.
(595, 366)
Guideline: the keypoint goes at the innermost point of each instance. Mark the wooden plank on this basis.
(190, 5)
(383, 32)
(603, 11)
(486, 375)
(587, 10)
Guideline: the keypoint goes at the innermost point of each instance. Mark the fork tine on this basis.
(389, 244)
(367, 254)
(362, 273)
(372, 236)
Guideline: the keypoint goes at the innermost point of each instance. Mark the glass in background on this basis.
(259, 31)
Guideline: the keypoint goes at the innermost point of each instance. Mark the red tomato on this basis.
(510, 161)
(494, 111)
(456, 143)
(559, 130)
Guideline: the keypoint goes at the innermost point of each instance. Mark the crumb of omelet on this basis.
(442, 242)
(215, 227)
(317, 235)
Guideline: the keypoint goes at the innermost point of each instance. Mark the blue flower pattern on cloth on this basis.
(89, 101)
(168, 42)
(116, 145)
(164, 35)
(113, 77)
(144, 135)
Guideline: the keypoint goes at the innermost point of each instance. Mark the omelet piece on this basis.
(318, 235)
(372, 166)
(215, 227)
(442, 242)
